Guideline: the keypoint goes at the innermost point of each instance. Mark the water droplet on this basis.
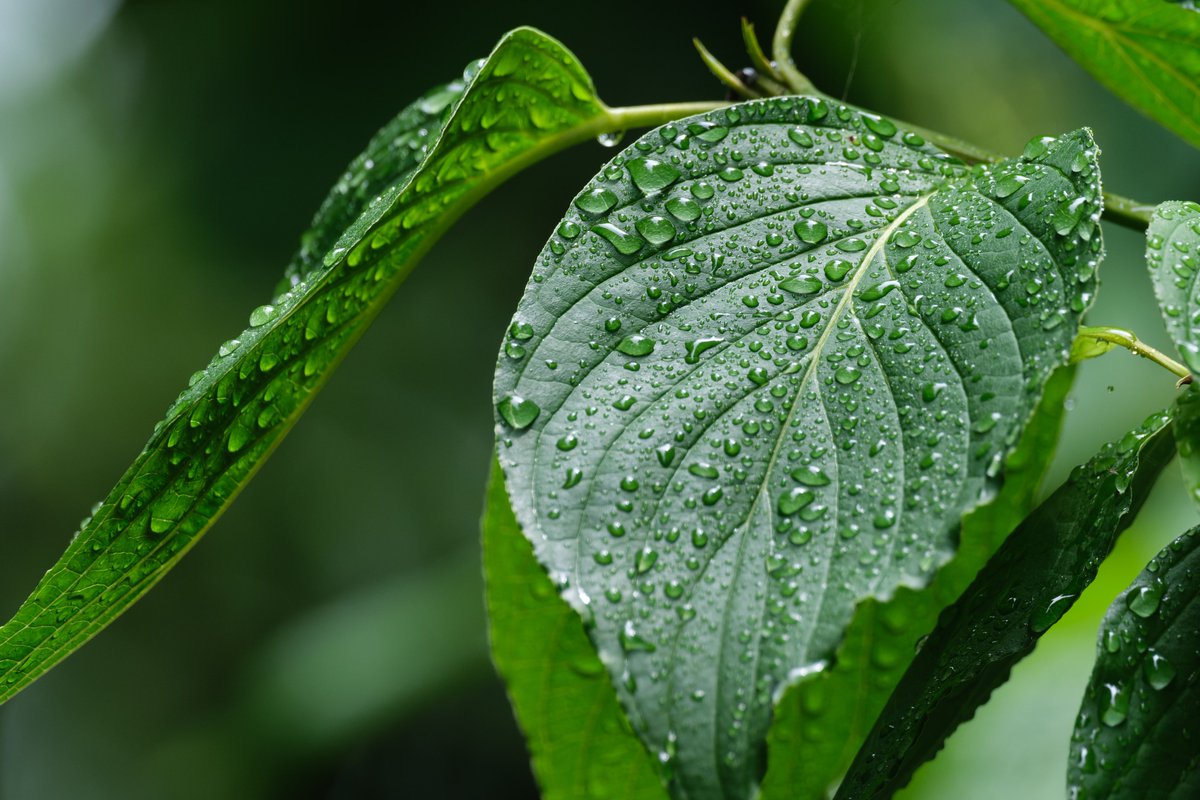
(622, 241)
(1143, 600)
(636, 345)
(794, 500)
(806, 284)
(1159, 671)
(610, 138)
(837, 269)
(651, 175)
(656, 230)
(697, 347)
(645, 560)
(517, 411)
(262, 315)
(1116, 704)
(810, 476)
(847, 375)
(811, 231)
(596, 201)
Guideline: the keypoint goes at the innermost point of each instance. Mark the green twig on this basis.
(624, 118)
(781, 47)
(1123, 211)
(757, 57)
(1094, 341)
(723, 73)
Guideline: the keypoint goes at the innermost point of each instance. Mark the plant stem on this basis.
(781, 47)
(1093, 341)
(1121, 210)
(626, 117)
(723, 73)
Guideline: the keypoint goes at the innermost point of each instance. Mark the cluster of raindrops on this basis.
(769, 345)
(233, 411)
(1173, 257)
(1144, 676)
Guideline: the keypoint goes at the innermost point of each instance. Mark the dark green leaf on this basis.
(1136, 737)
(1024, 589)
(578, 736)
(1147, 52)
(767, 361)
(529, 98)
(822, 720)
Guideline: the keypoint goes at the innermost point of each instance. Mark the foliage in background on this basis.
(617, 238)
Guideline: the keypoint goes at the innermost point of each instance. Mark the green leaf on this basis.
(764, 365)
(580, 741)
(1147, 52)
(1172, 249)
(822, 720)
(1033, 579)
(529, 98)
(1136, 734)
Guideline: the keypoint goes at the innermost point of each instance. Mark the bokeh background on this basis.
(158, 161)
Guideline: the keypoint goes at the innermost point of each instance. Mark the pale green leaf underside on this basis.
(529, 98)
(1033, 580)
(579, 740)
(1136, 736)
(762, 368)
(822, 720)
(1147, 52)
(1173, 259)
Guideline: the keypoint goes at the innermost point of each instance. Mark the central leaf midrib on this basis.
(762, 495)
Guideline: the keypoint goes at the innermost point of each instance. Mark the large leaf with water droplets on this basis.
(1033, 580)
(764, 365)
(1147, 52)
(1173, 258)
(823, 719)
(1136, 736)
(529, 98)
(580, 742)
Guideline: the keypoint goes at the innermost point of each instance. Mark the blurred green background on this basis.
(158, 161)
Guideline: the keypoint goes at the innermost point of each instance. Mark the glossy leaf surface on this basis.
(823, 719)
(529, 98)
(580, 742)
(1147, 52)
(1173, 259)
(766, 362)
(1033, 579)
(1136, 736)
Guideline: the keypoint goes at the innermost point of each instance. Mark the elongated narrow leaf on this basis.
(529, 98)
(823, 719)
(1173, 258)
(1137, 737)
(579, 739)
(766, 362)
(1024, 589)
(1147, 52)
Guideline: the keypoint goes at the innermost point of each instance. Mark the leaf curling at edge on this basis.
(529, 98)
(579, 740)
(658, 352)
(1147, 52)
(1172, 250)
(822, 720)
(1034, 578)
(1135, 737)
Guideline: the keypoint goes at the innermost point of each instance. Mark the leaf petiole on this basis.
(1092, 341)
